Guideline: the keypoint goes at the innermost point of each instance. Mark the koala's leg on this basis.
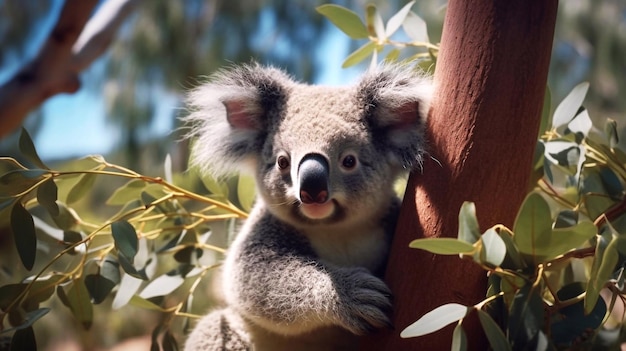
(221, 330)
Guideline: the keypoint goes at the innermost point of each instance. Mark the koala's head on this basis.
(320, 155)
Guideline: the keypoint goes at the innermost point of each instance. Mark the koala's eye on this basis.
(282, 162)
(349, 162)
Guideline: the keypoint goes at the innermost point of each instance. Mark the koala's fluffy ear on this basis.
(396, 100)
(229, 116)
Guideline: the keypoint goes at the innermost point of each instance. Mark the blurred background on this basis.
(131, 96)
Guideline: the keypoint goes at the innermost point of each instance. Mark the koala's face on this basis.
(320, 162)
(320, 155)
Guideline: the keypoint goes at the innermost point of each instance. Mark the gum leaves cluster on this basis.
(556, 277)
(156, 242)
(380, 36)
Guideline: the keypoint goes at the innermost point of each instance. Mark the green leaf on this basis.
(146, 304)
(545, 112)
(398, 19)
(459, 339)
(246, 192)
(610, 130)
(526, 316)
(435, 320)
(571, 323)
(126, 193)
(567, 109)
(162, 285)
(604, 263)
(468, 224)
(67, 219)
(23, 340)
(101, 284)
(47, 197)
(594, 194)
(415, 28)
(562, 240)
(125, 238)
(128, 267)
(16, 182)
(496, 337)
(566, 218)
(359, 54)
(375, 26)
(213, 186)
(493, 249)
(82, 187)
(23, 228)
(581, 123)
(79, 302)
(27, 148)
(128, 287)
(346, 20)
(532, 225)
(443, 246)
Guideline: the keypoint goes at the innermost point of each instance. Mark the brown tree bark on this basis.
(70, 48)
(482, 130)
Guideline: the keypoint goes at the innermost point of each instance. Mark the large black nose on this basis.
(313, 177)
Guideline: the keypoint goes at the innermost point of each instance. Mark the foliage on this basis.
(566, 248)
(380, 35)
(128, 256)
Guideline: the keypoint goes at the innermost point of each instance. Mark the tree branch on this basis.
(67, 51)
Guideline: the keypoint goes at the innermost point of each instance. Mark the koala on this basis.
(303, 272)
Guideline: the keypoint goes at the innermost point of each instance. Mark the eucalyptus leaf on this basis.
(27, 148)
(493, 248)
(496, 337)
(23, 228)
(162, 285)
(567, 109)
(144, 303)
(532, 225)
(246, 192)
(125, 238)
(346, 20)
(374, 22)
(604, 263)
(546, 121)
(129, 285)
(47, 193)
(359, 54)
(435, 320)
(526, 316)
(581, 123)
(101, 284)
(80, 303)
(468, 223)
(83, 186)
(16, 182)
(126, 193)
(443, 246)
(571, 323)
(459, 339)
(398, 19)
(23, 340)
(610, 130)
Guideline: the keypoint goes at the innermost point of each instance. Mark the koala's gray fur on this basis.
(302, 272)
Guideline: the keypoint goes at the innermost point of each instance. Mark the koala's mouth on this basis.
(317, 211)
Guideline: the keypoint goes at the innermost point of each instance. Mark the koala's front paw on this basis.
(364, 301)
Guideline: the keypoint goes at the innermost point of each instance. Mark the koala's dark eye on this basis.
(282, 162)
(349, 162)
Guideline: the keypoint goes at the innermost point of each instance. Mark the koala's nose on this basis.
(313, 178)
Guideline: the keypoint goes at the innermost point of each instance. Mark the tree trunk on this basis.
(482, 130)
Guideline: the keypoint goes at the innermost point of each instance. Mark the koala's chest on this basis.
(363, 247)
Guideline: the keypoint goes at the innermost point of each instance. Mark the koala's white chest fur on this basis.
(357, 246)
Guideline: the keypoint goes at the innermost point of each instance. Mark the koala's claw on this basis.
(365, 302)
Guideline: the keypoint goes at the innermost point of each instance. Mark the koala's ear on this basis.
(229, 116)
(396, 100)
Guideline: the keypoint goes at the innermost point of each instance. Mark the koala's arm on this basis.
(274, 279)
